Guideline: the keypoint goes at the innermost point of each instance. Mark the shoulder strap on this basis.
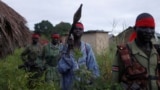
(86, 48)
(86, 52)
(124, 53)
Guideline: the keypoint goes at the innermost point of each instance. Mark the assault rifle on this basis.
(30, 67)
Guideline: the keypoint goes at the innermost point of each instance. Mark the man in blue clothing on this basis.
(77, 61)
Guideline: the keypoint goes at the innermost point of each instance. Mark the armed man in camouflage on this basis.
(32, 54)
(31, 57)
(51, 54)
(137, 63)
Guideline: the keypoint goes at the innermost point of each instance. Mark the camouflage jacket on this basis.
(148, 62)
(51, 54)
(32, 53)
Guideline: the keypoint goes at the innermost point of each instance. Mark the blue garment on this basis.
(67, 65)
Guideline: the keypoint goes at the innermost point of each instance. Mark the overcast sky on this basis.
(104, 15)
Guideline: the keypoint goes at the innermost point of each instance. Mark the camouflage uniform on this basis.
(32, 56)
(51, 54)
(149, 62)
(33, 62)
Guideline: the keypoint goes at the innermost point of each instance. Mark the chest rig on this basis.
(134, 72)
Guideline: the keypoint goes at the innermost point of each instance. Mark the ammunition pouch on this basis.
(135, 75)
(136, 72)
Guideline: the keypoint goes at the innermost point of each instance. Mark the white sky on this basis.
(96, 14)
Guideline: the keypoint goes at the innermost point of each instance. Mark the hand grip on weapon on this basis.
(70, 42)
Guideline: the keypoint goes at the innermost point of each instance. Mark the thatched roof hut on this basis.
(13, 30)
(123, 37)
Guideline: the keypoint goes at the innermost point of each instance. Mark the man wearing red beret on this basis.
(77, 65)
(31, 57)
(51, 54)
(33, 51)
(137, 63)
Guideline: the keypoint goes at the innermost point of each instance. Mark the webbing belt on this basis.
(150, 77)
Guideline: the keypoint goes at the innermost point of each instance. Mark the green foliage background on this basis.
(45, 28)
(12, 78)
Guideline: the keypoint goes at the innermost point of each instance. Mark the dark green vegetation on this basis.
(12, 78)
(45, 28)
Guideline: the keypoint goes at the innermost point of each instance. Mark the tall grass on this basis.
(12, 78)
(105, 65)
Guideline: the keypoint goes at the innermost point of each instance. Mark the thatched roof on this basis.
(13, 32)
(123, 37)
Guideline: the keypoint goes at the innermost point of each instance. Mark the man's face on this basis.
(145, 34)
(55, 41)
(77, 32)
(35, 40)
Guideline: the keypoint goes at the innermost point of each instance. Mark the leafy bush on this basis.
(12, 78)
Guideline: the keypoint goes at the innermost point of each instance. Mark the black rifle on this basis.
(29, 66)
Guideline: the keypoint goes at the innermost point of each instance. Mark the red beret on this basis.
(145, 20)
(35, 35)
(80, 25)
(55, 36)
